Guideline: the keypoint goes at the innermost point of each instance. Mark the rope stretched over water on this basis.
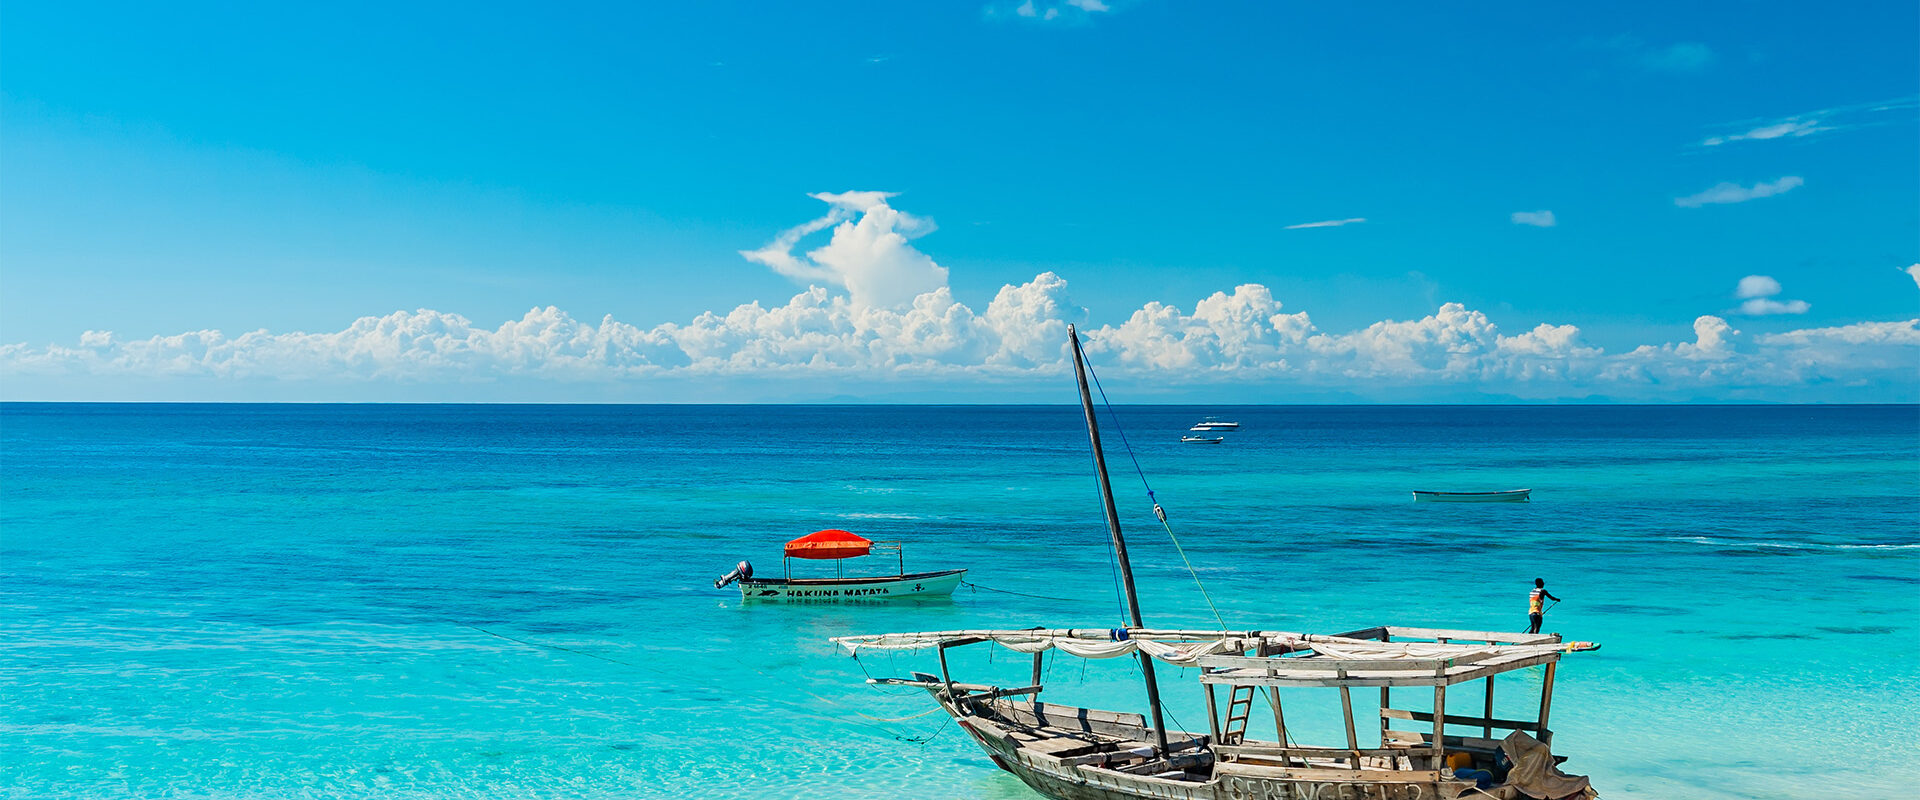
(934, 710)
(978, 587)
(544, 646)
(1159, 512)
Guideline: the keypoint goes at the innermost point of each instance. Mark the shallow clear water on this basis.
(309, 601)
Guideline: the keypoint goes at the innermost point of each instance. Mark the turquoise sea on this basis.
(280, 601)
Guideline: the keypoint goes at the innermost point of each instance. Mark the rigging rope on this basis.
(1158, 512)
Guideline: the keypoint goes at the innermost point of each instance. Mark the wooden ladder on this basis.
(1239, 708)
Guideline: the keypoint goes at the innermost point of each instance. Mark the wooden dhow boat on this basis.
(837, 545)
(1422, 753)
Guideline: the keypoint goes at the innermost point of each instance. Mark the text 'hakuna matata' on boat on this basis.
(1076, 753)
(837, 545)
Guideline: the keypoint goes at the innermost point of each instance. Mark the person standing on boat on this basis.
(1536, 600)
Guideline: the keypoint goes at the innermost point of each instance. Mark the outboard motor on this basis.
(741, 572)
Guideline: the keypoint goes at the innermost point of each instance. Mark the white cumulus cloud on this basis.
(1757, 292)
(1735, 193)
(869, 253)
(1757, 286)
(881, 312)
(1538, 219)
(1761, 306)
(1913, 272)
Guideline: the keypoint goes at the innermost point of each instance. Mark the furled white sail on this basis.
(1180, 648)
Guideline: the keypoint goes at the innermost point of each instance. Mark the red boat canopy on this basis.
(828, 544)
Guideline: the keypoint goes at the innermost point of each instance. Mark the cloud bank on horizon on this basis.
(896, 321)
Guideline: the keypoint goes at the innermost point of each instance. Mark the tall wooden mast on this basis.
(1119, 542)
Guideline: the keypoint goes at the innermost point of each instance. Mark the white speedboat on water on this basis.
(1203, 439)
(837, 545)
(1508, 496)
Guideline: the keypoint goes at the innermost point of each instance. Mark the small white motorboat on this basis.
(1203, 439)
(1508, 496)
(834, 545)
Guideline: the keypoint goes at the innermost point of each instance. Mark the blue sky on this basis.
(171, 170)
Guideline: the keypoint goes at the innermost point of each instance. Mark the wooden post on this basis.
(1546, 704)
(1036, 668)
(1213, 711)
(1386, 702)
(1279, 719)
(947, 678)
(1346, 705)
(1488, 732)
(1119, 541)
(1440, 725)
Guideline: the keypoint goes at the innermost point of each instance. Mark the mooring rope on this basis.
(978, 587)
(543, 646)
(1158, 512)
(933, 710)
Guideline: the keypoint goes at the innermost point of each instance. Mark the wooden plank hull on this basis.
(1023, 750)
(829, 590)
(1515, 496)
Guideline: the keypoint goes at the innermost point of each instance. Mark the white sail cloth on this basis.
(1182, 649)
(1186, 655)
(1353, 650)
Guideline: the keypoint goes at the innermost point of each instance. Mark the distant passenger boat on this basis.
(834, 544)
(1214, 425)
(1203, 439)
(1509, 496)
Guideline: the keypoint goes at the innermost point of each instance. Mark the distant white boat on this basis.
(1509, 496)
(1203, 439)
(1214, 425)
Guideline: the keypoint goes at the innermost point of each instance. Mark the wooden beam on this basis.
(1353, 743)
(1213, 712)
(1279, 719)
(1455, 742)
(1364, 680)
(995, 694)
(947, 678)
(1319, 663)
(1341, 782)
(1271, 750)
(1386, 703)
(1546, 705)
(1490, 637)
(1474, 673)
(1036, 669)
(1489, 712)
(1422, 716)
(1440, 721)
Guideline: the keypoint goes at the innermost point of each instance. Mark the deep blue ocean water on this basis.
(310, 601)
